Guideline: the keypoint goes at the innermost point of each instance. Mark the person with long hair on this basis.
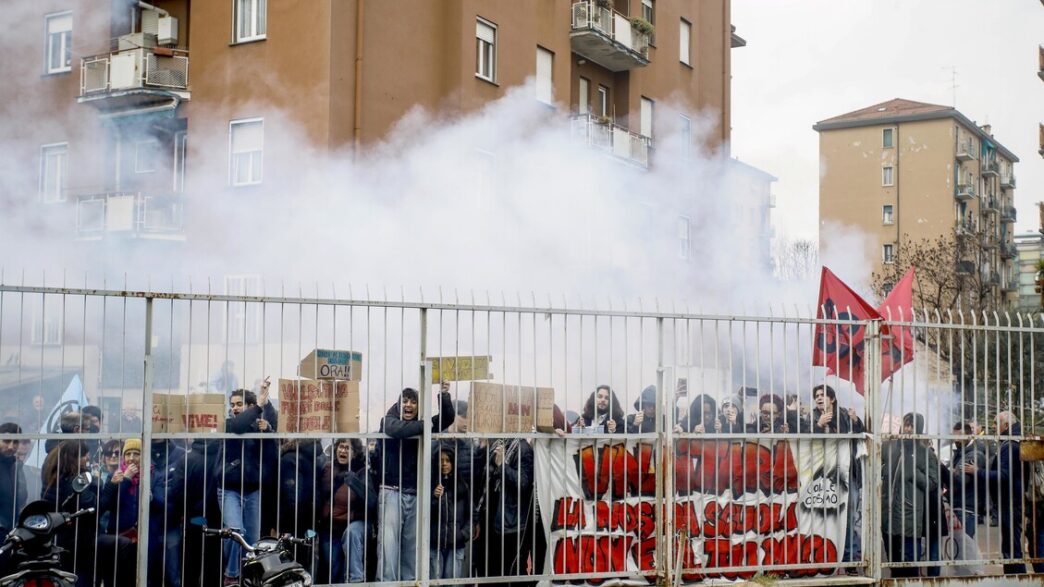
(349, 501)
(602, 409)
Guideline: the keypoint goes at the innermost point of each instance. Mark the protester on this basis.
(166, 512)
(203, 463)
(772, 416)
(240, 477)
(467, 458)
(69, 423)
(602, 409)
(119, 497)
(13, 490)
(909, 472)
(505, 508)
(32, 474)
(828, 417)
(451, 527)
(645, 420)
(965, 489)
(300, 474)
(731, 419)
(1004, 478)
(396, 463)
(130, 421)
(349, 501)
(703, 416)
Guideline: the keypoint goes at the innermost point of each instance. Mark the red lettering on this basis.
(569, 513)
(722, 554)
(685, 518)
(592, 554)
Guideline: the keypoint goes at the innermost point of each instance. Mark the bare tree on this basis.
(796, 259)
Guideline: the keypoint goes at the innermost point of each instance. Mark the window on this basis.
(684, 41)
(146, 154)
(251, 20)
(603, 101)
(683, 237)
(647, 117)
(246, 148)
(486, 50)
(887, 252)
(54, 169)
(886, 215)
(544, 68)
(886, 138)
(649, 14)
(685, 134)
(583, 101)
(886, 176)
(243, 320)
(59, 42)
(180, 150)
(48, 316)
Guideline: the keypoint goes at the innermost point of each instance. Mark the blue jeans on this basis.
(447, 564)
(853, 533)
(350, 548)
(242, 511)
(397, 536)
(969, 519)
(164, 554)
(903, 549)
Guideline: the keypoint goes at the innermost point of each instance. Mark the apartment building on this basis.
(908, 170)
(1030, 247)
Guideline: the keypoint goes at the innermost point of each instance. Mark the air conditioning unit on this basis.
(150, 21)
(136, 40)
(125, 70)
(167, 32)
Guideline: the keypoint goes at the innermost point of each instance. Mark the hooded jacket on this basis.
(300, 470)
(242, 470)
(509, 494)
(395, 458)
(910, 473)
(451, 513)
(648, 397)
(202, 473)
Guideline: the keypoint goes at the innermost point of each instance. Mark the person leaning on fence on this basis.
(1005, 480)
(731, 418)
(644, 420)
(166, 513)
(829, 418)
(395, 461)
(772, 415)
(451, 527)
(239, 480)
(909, 473)
(506, 509)
(203, 464)
(301, 463)
(349, 504)
(602, 409)
(966, 491)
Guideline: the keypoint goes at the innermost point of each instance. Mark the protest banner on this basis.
(308, 405)
(459, 368)
(495, 407)
(331, 364)
(195, 412)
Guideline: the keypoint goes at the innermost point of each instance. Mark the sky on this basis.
(809, 60)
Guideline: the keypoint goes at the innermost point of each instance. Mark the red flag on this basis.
(839, 347)
(898, 307)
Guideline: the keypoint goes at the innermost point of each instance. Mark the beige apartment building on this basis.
(909, 170)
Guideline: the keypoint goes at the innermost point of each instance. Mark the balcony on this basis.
(992, 278)
(1009, 214)
(965, 267)
(1008, 181)
(1008, 251)
(134, 78)
(964, 192)
(1010, 285)
(616, 140)
(990, 168)
(607, 38)
(965, 227)
(966, 150)
(989, 204)
(989, 240)
(129, 215)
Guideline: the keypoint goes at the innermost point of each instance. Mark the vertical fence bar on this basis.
(423, 504)
(145, 474)
(873, 389)
(663, 487)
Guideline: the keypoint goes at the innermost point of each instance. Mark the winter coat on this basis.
(1005, 475)
(451, 513)
(603, 420)
(965, 489)
(120, 500)
(347, 495)
(910, 472)
(300, 470)
(648, 425)
(202, 476)
(396, 457)
(242, 470)
(78, 537)
(469, 461)
(841, 423)
(509, 496)
(13, 492)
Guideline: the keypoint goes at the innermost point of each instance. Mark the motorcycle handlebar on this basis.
(83, 512)
(228, 534)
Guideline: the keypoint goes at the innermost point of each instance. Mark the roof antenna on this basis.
(953, 85)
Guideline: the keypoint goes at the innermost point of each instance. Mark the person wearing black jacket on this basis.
(645, 420)
(1005, 479)
(13, 490)
(300, 470)
(505, 509)
(203, 461)
(240, 478)
(349, 503)
(395, 459)
(602, 409)
(451, 528)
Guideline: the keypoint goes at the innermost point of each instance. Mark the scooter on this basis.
(269, 563)
(32, 546)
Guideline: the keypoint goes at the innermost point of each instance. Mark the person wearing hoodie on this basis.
(240, 477)
(349, 501)
(13, 490)
(910, 472)
(451, 527)
(300, 469)
(166, 513)
(395, 460)
(731, 420)
(1005, 480)
(644, 420)
(202, 565)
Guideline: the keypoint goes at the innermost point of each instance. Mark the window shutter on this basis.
(247, 137)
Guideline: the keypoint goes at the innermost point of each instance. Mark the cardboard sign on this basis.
(307, 405)
(495, 407)
(331, 364)
(459, 368)
(195, 412)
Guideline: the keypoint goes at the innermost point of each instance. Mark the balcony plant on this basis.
(643, 26)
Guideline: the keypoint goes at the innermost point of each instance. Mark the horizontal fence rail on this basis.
(444, 443)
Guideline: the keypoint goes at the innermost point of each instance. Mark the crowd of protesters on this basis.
(363, 501)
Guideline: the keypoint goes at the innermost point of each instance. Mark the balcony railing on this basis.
(600, 133)
(1008, 250)
(989, 239)
(140, 73)
(989, 204)
(992, 278)
(129, 214)
(1011, 284)
(990, 168)
(1008, 181)
(966, 150)
(1009, 214)
(607, 38)
(964, 191)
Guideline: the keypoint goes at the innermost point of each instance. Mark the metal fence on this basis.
(736, 468)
